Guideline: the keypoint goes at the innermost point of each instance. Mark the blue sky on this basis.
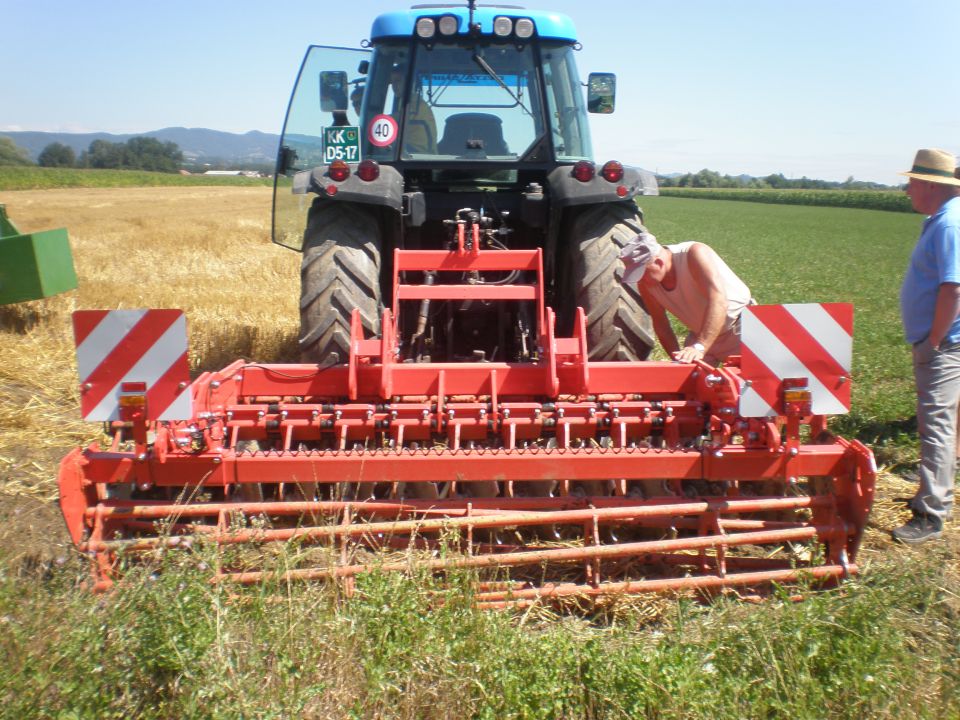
(822, 88)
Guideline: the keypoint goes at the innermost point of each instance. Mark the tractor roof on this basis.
(402, 23)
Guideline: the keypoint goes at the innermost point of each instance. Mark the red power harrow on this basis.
(554, 477)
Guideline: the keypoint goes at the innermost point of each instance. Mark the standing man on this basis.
(930, 307)
(692, 282)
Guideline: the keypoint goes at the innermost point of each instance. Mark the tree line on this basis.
(146, 153)
(138, 153)
(711, 179)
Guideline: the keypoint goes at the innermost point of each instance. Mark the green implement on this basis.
(33, 265)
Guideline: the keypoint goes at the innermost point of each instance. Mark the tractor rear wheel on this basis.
(340, 271)
(618, 326)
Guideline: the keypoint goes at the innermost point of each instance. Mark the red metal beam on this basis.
(447, 261)
(520, 510)
(467, 292)
(655, 379)
(443, 465)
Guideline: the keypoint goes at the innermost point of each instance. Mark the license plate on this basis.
(341, 143)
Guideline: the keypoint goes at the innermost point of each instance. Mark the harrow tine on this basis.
(488, 520)
(538, 557)
(524, 597)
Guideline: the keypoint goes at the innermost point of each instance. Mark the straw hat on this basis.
(936, 166)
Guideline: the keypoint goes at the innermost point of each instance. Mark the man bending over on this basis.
(693, 283)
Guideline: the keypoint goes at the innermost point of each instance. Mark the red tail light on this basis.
(338, 170)
(584, 171)
(612, 171)
(368, 170)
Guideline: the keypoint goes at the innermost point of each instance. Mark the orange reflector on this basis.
(797, 396)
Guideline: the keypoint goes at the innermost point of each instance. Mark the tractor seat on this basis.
(468, 132)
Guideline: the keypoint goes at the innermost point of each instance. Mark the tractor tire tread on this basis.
(618, 326)
(340, 272)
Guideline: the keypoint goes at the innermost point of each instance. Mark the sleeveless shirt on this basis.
(689, 305)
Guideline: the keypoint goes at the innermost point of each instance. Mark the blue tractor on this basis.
(454, 116)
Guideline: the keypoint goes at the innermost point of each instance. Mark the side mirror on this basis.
(333, 90)
(601, 93)
(286, 159)
(364, 67)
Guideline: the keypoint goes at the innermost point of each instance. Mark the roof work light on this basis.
(426, 28)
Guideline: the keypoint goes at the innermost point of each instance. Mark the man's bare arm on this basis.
(707, 277)
(661, 323)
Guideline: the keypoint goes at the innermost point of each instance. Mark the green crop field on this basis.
(791, 254)
(167, 643)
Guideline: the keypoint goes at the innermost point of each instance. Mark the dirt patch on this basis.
(32, 533)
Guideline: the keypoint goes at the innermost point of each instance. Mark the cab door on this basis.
(325, 104)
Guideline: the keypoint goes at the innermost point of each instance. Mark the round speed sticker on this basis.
(383, 130)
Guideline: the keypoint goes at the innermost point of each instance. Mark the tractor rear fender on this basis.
(386, 190)
(566, 190)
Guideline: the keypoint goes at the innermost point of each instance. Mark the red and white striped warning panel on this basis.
(124, 353)
(812, 341)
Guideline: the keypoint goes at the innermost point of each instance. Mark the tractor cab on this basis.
(474, 98)
(449, 96)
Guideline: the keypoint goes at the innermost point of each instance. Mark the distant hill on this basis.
(199, 145)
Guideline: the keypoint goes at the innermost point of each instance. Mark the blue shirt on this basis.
(935, 260)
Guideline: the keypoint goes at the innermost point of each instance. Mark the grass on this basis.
(164, 645)
(792, 254)
(41, 178)
(171, 645)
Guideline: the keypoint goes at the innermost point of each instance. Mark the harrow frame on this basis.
(382, 453)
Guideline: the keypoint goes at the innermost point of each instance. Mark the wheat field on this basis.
(205, 250)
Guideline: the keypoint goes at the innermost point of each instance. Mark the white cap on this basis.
(636, 254)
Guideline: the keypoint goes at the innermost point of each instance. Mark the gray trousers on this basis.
(937, 374)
